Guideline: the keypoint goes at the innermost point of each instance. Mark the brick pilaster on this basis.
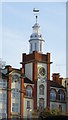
(22, 88)
(35, 84)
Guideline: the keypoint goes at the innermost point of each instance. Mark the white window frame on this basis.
(52, 95)
(15, 107)
(29, 91)
(28, 104)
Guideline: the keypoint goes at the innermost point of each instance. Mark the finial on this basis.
(36, 11)
(36, 18)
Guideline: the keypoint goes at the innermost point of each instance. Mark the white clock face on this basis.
(42, 72)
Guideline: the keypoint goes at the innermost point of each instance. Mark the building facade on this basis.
(28, 89)
(3, 92)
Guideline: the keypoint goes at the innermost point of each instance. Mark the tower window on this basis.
(14, 94)
(40, 46)
(35, 35)
(29, 91)
(15, 107)
(41, 103)
(41, 90)
(28, 104)
(30, 46)
(35, 46)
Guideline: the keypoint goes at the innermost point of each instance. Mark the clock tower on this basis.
(36, 66)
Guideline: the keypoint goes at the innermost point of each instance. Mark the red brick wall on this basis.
(34, 56)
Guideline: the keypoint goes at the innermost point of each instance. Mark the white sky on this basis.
(17, 22)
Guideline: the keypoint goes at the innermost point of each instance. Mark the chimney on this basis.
(61, 81)
(56, 77)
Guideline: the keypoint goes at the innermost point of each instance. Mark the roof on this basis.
(36, 25)
(27, 80)
(55, 84)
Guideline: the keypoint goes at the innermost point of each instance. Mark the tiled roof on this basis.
(27, 80)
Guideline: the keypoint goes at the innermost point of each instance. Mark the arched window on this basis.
(40, 46)
(15, 78)
(41, 89)
(52, 94)
(35, 46)
(31, 47)
(41, 102)
(61, 95)
(29, 91)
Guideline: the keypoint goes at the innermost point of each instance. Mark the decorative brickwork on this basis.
(56, 77)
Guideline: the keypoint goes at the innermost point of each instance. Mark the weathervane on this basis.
(36, 11)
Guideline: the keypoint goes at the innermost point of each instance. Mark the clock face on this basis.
(42, 72)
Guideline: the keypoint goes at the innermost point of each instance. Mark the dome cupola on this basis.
(36, 41)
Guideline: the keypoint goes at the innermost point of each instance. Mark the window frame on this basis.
(41, 90)
(61, 95)
(40, 46)
(31, 46)
(52, 95)
(29, 91)
(35, 46)
(28, 104)
(15, 107)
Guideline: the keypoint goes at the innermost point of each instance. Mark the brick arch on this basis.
(56, 92)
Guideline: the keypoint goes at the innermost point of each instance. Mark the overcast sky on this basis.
(17, 22)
